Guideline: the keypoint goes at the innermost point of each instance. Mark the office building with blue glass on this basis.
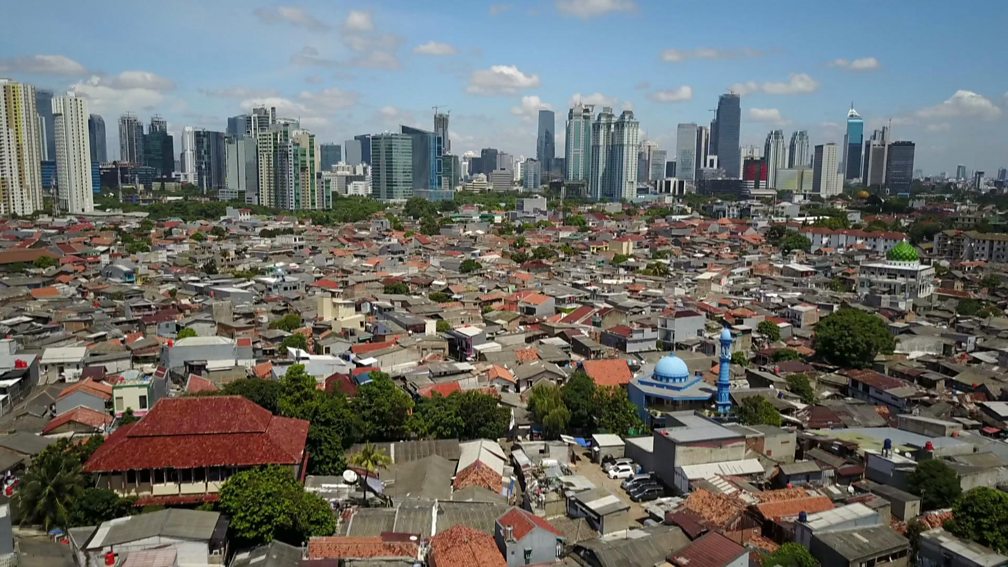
(853, 145)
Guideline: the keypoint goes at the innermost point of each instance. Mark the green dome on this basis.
(903, 252)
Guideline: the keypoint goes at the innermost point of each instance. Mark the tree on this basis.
(297, 340)
(769, 329)
(371, 460)
(439, 297)
(657, 269)
(543, 253)
(981, 515)
(443, 326)
(792, 240)
(96, 505)
(396, 288)
(469, 266)
(990, 282)
(268, 503)
(782, 354)
(383, 408)
(265, 393)
(430, 225)
(185, 333)
(288, 322)
(790, 555)
(617, 413)
(578, 395)
(852, 338)
(739, 358)
(936, 483)
(619, 259)
(799, 384)
(53, 483)
(519, 257)
(548, 410)
(45, 262)
(757, 410)
(482, 416)
(128, 417)
(436, 417)
(198, 237)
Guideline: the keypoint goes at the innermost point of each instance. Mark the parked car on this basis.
(621, 471)
(607, 466)
(639, 477)
(649, 493)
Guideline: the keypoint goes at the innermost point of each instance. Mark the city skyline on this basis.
(341, 70)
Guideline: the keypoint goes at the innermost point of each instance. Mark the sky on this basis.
(929, 68)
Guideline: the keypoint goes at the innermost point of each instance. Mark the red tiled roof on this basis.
(608, 372)
(711, 550)
(789, 508)
(45, 292)
(197, 384)
(191, 432)
(180, 500)
(97, 389)
(366, 547)
(445, 389)
(522, 522)
(715, 509)
(526, 355)
(363, 348)
(478, 474)
(462, 546)
(80, 414)
(875, 379)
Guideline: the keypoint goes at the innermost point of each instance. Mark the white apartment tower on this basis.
(20, 150)
(686, 151)
(826, 178)
(776, 154)
(73, 154)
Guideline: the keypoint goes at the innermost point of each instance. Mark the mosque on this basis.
(669, 387)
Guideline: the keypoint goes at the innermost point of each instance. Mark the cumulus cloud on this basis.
(139, 80)
(596, 99)
(310, 56)
(358, 21)
(498, 9)
(679, 94)
(797, 83)
(435, 48)
(962, 104)
(370, 47)
(767, 115)
(680, 55)
(530, 107)
(860, 64)
(291, 15)
(590, 8)
(238, 92)
(312, 108)
(43, 65)
(501, 79)
(128, 91)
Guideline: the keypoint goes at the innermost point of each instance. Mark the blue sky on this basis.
(935, 68)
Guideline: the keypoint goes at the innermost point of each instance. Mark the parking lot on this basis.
(594, 473)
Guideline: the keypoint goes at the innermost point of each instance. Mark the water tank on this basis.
(929, 447)
(887, 445)
(803, 516)
(110, 559)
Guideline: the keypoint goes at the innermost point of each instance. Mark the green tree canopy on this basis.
(288, 322)
(769, 329)
(739, 358)
(396, 288)
(265, 393)
(543, 253)
(790, 555)
(185, 333)
(981, 515)
(619, 259)
(443, 326)
(792, 240)
(469, 266)
(97, 505)
(371, 460)
(936, 483)
(383, 408)
(852, 338)
(268, 503)
(578, 396)
(757, 410)
(782, 354)
(44, 262)
(548, 409)
(54, 483)
(799, 384)
(617, 413)
(296, 340)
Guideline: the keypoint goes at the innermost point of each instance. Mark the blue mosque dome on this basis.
(671, 368)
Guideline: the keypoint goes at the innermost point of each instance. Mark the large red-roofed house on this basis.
(184, 449)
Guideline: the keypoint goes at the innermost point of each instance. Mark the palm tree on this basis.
(371, 459)
(49, 488)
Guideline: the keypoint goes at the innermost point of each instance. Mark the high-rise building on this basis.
(853, 145)
(187, 159)
(729, 119)
(352, 152)
(798, 150)
(873, 171)
(131, 140)
(209, 159)
(452, 169)
(960, 172)
(686, 151)
(261, 120)
(238, 126)
(614, 156)
(776, 155)
(598, 181)
(73, 154)
(20, 150)
(365, 144)
(546, 141)
(287, 166)
(96, 138)
(1002, 174)
(702, 149)
(426, 153)
(241, 175)
(899, 167)
(531, 174)
(43, 103)
(578, 142)
(441, 129)
(159, 148)
(487, 161)
(826, 179)
(330, 155)
(656, 165)
(391, 167)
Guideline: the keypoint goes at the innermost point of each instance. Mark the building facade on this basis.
(686, 151)
(208, 159)
(426, 152)
(798, 150)
(96, 137)
(241, 176)
(826, 179)
(73, 154)
(159, 148)
(729, 118)
(391, 158)
(546, 140)
(329, 155)
(853, 145)
(776, 155)
(20, 150)
(899, 167)
(131, 139)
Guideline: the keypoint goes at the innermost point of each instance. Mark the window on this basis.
(528, 555)
(143, 402)
(199, 475)
(144, 477)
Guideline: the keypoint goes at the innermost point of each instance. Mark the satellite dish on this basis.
(350, 477)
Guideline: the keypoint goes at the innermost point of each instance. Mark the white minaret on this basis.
(73, 154)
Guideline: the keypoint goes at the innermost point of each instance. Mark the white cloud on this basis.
(498, 9)
(680, 55)
(500, 79)
(238, 92)
(310, 56)
(530, 107)
(940, 127)
(390, 117)
(130, 91)
(43, 65)
(860, 64)
(598, 99)
(139, 80)
(767, 115)
(591, 8)
(963, 104)
(358, 21)
(797, 83)
(679, 94)
(370, 48)
(291, 15)
(435, 48)
(312, 108)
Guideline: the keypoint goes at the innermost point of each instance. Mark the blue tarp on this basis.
(582, 441)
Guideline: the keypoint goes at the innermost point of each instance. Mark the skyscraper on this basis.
(826, 180)
(159, 148)
(899, 167)
(240, 169)
(43, 102)
(391, 167)
(853, 144)
(487, 161)
(702, 150)
(287, 163)
(798, 150)
(876, 149)
(578, 142)
(238, 126)
(531, 174)
(960, 172)
(330, 155)
(20, 150)
(441, 129)
(208, 159)
(352, 152)
(598, 180)
(188, 157)
(614, 156)
(96, 137)
(426, 158)
(686, 151)
(656, 165)
(73, 154)
(546, 141)
(776, 156)
(131, 139)
(365, 145)
(729, 118)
